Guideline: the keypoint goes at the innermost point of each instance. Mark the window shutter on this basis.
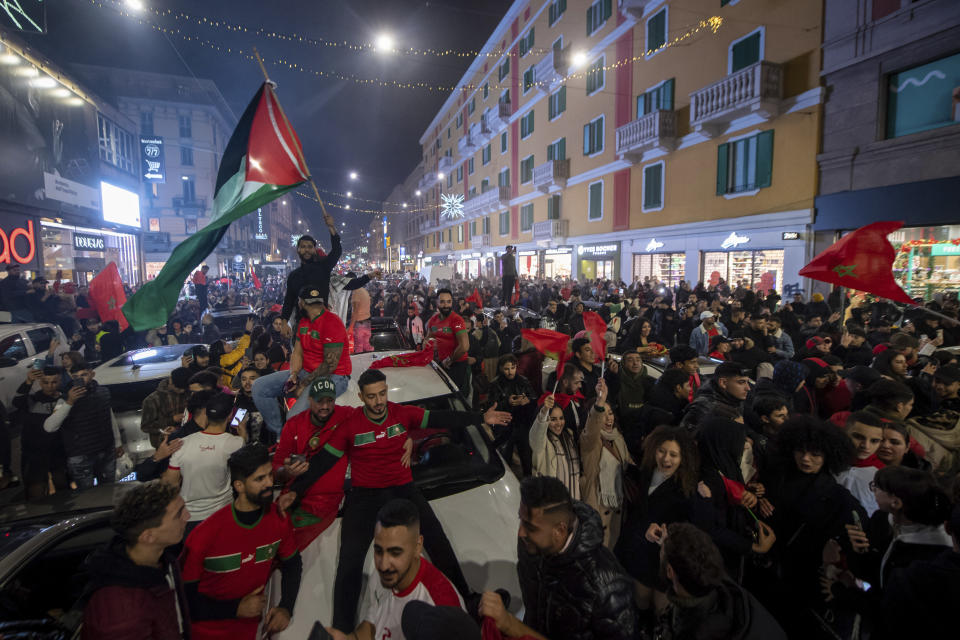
(596, 202)
(722, 158)
(647, 187)
(640, 110)
(589, 20)
(530, 39)
(764, 159)
(563, 99)
(563, 7)
(607, 8)
(587, 137)
(550, 209)
(667, 99)
(549, 152)
(551, 110)
(562, 149)
(746, 52)
(598, 135)
(553, 13)
(591, 83)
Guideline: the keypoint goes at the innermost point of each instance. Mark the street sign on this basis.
(152, 161)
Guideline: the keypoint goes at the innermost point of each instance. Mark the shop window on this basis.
(595, 76)
(761, 270)
(667, 268)
(116, 145)
(593, 137)
(526, 217)
(186, 156)
(557, 103)
(557, 150)
(745, 165)
(745, 51)
(597, 14)
(186, 126)
(556, 10)
(660, 98)
(526, 125)
(595, 194)
(146, 123)
(485, 155)
(504, 223)
(528, 79)
(526, 170)
(526, 43)
(924, 97)
(656, 31)
(503, 142)
(553, 207)
(653, 187)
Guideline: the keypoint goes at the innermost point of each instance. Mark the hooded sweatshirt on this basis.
(728, 612)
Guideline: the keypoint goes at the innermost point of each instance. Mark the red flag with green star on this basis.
(107, 297)
(861, 260)
(551, 344)
(412, 359)
(596, 329)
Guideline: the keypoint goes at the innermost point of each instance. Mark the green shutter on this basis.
(486, 225)
(551, 111)
(530, 40)
(591, 81)
(607, 8)
(722, 158)
(562, 149)
(657, 31)
(503, 142)
(586, 139)
(550, 209)
(596, 201)
(652, 178)
(530, 126)
(640, 102)
(598, 135)
(589, 20)
(667, 99)
(553, 13)
(549, 152)
(764, 159)
(746, 52)
(563, 99)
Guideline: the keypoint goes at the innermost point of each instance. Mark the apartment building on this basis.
(632, 139)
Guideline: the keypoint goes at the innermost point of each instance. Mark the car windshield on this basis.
(231, 323)
(129, 396)
(143, 357)
(389, 339)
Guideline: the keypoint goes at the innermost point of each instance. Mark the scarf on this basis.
(611, 466)
(872, 461)
(562, 399)
(631, 390)
(567, 459)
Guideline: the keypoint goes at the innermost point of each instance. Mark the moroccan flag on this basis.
(516, 292)
(262, 161)
(256, 280)
(734, 489)
(551, 344)
(562, 399)
(596, 329)
(861, 260)
(107, 297)
(475, 298)
(412, 359)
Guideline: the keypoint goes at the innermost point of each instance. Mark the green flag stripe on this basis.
(266, 552)
(222, 564)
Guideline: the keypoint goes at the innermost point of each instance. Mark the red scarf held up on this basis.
(562, 399)
(872, 461)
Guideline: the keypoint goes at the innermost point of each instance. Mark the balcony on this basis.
(552, 174)
(467, 145)
(445, 164)
(633, 8)
(496, 118)
(445, 246)
(550, 71)
(655, 130)
(757, 89)
(554, 231)
(489, 202)
(480, 242)
(480, 132)
(190, 207)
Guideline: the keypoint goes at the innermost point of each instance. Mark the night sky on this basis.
(344, 126)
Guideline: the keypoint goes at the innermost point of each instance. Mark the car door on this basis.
(15, 360)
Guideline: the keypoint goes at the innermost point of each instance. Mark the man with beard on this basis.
(449, 332)
(244, 401)
(405, 576)
(314, 271)
(572, 586)
(230, 556)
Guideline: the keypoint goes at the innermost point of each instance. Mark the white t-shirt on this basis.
(202, 462)
(857, 480)
(383, 608)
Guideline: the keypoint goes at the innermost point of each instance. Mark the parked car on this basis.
(232, 320)
(473, 492)
(386, 335)
(20, 346)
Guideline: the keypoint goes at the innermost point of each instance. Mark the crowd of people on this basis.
(720, 463)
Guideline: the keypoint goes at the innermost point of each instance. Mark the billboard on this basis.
(46, 132)
(120, 206)
(152, 162)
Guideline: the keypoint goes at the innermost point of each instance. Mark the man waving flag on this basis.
(262, 161)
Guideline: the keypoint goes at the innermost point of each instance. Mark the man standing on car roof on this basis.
(373, 438)
(449, 332)
(314, 270)
(229, 557)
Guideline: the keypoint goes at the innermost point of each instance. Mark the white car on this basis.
(20, 346)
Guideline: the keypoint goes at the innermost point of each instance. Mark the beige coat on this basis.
(591, 449)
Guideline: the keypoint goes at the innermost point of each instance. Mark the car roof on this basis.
(404, 384)
(165, 359)
(232, 311)
(99, 498)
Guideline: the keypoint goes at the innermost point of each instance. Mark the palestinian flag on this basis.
(262, 161)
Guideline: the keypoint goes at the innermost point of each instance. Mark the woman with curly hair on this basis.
(809, 508)
(659, 493)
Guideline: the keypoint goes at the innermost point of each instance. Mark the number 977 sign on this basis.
(152, 165)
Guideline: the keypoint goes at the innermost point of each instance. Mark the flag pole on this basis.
(296, 147)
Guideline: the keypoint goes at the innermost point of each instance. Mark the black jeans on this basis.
(359, 519)
(459, 372)
(508, 284)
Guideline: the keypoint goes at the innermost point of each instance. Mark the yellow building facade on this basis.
(627, 139)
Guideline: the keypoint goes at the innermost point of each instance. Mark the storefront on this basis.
(558, 262)
(18, 242)
(667, 268)
(469, 265)
(928, 259)
(598, 261)
(528, 263)
(760, 270)
(80, 253)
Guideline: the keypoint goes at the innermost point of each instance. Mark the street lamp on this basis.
(384, 43)
(579, 59)
(346, 206)
(349, 194)
(135, 5)
(417, 192)
(404, 205)
(353, 175)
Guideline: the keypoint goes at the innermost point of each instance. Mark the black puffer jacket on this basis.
(709, 397)
(729, 613)
(582, 593)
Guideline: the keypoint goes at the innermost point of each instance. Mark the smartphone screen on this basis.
(238, 417)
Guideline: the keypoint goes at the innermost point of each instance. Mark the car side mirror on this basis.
(6, 362)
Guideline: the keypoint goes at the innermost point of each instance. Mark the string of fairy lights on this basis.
(136, 10)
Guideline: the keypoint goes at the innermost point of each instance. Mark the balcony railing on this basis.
(480, 241)
(190, 207)
(633, 8)
(550, 71)
(445, 246)
(467, 144)
(552, 174)
(480, 132)
(555, 231)
(445, 164)
(496, 118)
(655, 130)
(488, 202)
(757, 89)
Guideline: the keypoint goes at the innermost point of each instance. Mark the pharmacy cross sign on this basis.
(844, 270)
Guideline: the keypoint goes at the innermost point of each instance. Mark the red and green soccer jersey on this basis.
(445, 332)
(376, 447)
(231, 560)
(325, 330)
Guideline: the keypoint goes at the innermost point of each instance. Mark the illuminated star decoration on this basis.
(452, 206)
